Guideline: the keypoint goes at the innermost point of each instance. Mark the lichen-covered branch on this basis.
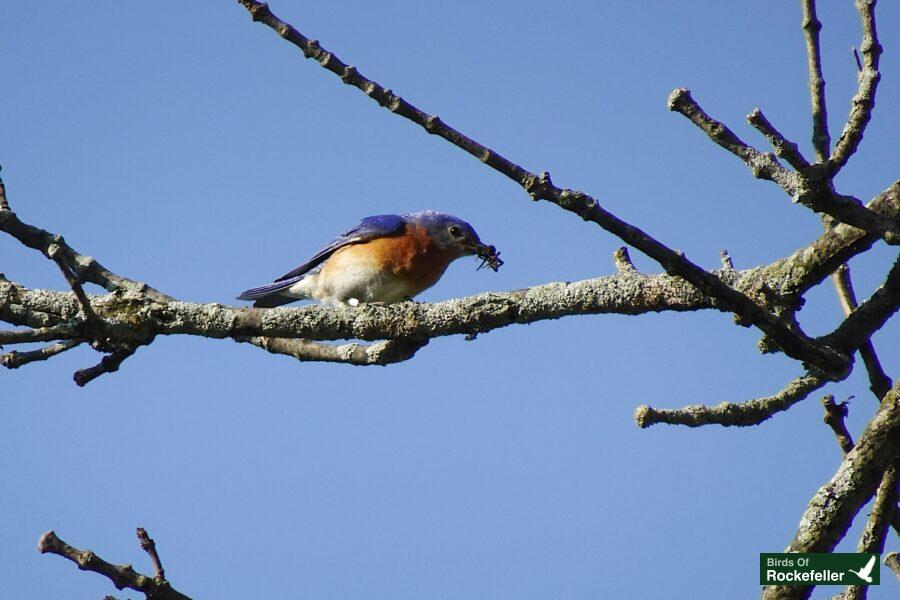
(779, 286)
(381, 353)
(728, 414)
(892, 561)
(831, 511)
(122, 576)
(133, 316)
(811, 264)
(835, 413)
(871, 314)
(875, 533)
(864, 100)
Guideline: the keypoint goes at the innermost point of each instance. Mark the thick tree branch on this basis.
(122, 576)
(831, 511)
(811, 28)
(627, 293)
(791, 342)
(864, 100)
(834, 418)
(728, 414)
(811, 264)
(133, 316)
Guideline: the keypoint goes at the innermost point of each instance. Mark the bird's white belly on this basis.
(352, 284)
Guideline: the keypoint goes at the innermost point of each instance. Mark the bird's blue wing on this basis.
(369, 228)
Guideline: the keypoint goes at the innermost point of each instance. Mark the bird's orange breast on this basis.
(412, 257)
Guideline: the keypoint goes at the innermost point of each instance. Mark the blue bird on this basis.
(384, 259)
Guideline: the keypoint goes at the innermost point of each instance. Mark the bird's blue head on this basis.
(452, 234)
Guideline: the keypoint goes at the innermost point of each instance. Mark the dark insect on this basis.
(490, 258)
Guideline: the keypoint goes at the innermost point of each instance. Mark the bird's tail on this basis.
(270, 295)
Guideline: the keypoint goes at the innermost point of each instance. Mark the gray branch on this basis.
(55, 315)
(864, 100)
(831, 511)
(728, 414)
(381, 353)
(122, 576)
(811, 28)
(810, 187)
(783, 147)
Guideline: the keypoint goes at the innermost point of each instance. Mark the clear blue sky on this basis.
(185, 146)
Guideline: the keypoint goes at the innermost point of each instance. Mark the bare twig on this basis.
(149, 546)
(807, 187)
(811, 28)
(64, 331)
(14, 359)
(622, 261)
(4, 204)
(763, 165)
(83, 268)
(108, 364)
(784, 148)
(742, 414)
(122, 576)
(727, 263)
(385, 352)
(835, 413)
(864, 100)
(56, 254)
(540, 187)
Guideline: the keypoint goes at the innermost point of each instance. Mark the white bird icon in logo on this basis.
(866, 572)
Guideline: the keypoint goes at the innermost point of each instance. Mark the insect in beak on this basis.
(490, 258)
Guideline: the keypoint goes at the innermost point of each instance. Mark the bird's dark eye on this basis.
(455, 231)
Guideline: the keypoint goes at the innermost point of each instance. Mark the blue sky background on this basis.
(185, 146)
